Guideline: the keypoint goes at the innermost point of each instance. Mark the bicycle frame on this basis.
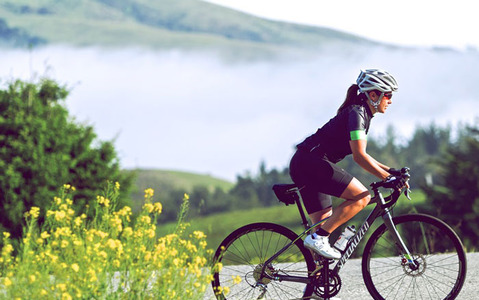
(381, 209)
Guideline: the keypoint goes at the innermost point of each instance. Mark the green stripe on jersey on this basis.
(358, 135)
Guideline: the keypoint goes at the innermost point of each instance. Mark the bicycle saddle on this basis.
(286, 193)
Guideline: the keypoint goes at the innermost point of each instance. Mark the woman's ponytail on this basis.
(352, 97)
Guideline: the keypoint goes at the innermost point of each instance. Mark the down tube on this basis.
(354, 241)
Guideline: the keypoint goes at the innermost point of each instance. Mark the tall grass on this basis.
(106, 256)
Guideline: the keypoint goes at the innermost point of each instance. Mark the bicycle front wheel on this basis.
(439, 268)
(239, 269)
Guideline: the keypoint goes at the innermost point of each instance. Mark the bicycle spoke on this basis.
(244, 274)
(437, 266)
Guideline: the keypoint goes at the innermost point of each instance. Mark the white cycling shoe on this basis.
(320, 245)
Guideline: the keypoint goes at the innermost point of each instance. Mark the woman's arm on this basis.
(382, 166)
(365, 161)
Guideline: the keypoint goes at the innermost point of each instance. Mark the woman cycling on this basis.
(313, 166)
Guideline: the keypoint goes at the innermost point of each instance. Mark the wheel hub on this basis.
(268, 274)
(418, 268)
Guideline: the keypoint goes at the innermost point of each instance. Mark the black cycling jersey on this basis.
(332, 140)
(313, 166)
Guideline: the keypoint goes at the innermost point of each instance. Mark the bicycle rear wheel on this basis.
(439, 255)
(240, 258)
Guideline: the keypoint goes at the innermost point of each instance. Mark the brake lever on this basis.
(407, 192)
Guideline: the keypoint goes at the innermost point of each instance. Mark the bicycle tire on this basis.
(242, 255)
(433, 244)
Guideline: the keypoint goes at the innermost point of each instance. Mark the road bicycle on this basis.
(412, 256)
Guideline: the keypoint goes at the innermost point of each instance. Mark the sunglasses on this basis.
(388, 95)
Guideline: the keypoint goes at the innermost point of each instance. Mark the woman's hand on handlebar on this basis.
(396, 182)
(394, 172)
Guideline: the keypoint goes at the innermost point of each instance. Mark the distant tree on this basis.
(220, 201)
(457, 200)
(426, 145)
(265, 181)
(199, 200)
(42, 148)
(244, 193)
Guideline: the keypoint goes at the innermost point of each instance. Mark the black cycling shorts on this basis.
(321, 179)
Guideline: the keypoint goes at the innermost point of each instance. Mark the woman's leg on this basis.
(356, 196)
(320, 215)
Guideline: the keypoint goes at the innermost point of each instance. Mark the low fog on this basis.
(197, 112)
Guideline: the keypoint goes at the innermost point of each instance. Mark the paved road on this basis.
(354, 289)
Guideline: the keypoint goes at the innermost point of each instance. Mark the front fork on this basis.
(388, 221)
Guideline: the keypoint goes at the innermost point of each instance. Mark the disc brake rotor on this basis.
(417, 270)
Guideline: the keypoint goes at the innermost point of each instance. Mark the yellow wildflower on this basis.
(145, 219)
(157, 207)
(102, 200)
(199, 234)
(226, 290)
(62, 287)
(236, 279)
(66, 296)
(7, 249)
(78, 221)
(117, 185)
(149, 193)
(219, 267)
(75, 267)
(7, 282)
(69, 187)
(92, 275)
(148, 207)
(127, 232)
(113, 244)
(34, 212)
(59, 215)
(116, 263)
(176, 262)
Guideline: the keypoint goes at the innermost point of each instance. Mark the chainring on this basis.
(333, 288)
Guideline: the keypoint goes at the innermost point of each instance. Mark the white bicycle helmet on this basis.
(376, 79)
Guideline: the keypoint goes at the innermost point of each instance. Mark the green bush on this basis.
(41, 146)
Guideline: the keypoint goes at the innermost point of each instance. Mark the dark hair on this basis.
(352, 97)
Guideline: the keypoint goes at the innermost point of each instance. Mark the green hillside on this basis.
(168, 179)
(218, 226)
(159, 24)
(170, 186)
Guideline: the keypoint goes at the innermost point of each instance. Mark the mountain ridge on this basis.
(164, 24)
